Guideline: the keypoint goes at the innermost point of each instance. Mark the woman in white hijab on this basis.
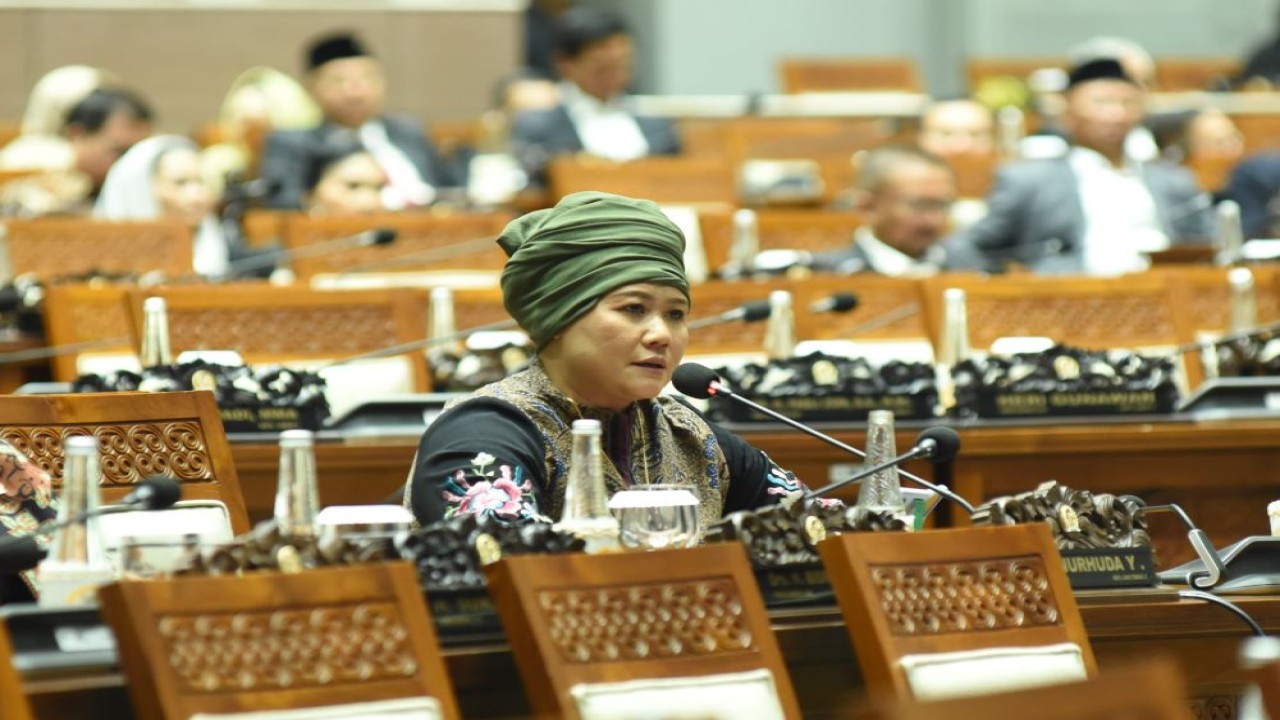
(160, 178)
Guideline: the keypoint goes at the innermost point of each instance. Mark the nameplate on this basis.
(266, 418)
(1075, 402)
(1095, 568)
(794, 585)
(464, 614)
(818, 408)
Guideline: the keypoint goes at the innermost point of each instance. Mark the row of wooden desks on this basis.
(1222, 473)
(1203, 638)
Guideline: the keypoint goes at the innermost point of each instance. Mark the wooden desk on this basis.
(1203, 638)
(1223, 473)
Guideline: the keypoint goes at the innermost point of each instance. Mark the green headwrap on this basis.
(563, 260)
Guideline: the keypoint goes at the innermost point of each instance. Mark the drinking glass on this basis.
(657, 516)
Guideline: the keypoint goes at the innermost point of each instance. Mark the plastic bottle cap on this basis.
(587, 426)
(153, 304)
(297, 438)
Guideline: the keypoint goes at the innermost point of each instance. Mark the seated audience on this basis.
(42, 144)
(344, 179)
(906, 194)
(957, 127)
(160, 178)
(598, 283)
(594, 57)
(347, 83)
(1255, 185)
(1261, 69)
(260, 100)
(26, 502)
(1095, 210)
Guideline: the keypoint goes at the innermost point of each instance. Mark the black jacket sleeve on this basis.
(482, 457)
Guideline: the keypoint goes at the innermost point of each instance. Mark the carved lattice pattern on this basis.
(937, 598)
(1211, 307)
(646, 622)
(128, 452)
(323, 330)
(105, 320)
(262, 651)
(416, 239)
(1214, 707)
(874, 305)
(63, 248)
(1089, 321)
(744, 335)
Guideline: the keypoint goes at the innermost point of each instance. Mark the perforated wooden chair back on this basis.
(1153, 690)
(424, 242)
(95, 317)
(661, 179)
(812, 230)
(473, 307)
(849, 74)
(268, 641)
(710, 299)
(1203, 295)
(575, 620)
(52, 248)
(889, 308)
(263, 227)
(941, 591)
(783, 138)
(178, 434)
(12, 697)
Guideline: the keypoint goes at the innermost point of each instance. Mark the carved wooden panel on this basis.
(661, 179)
(1210, 306)
(646, 622)
(106, 320)
(898, 307)
(129, 452)
(847, 74)
(1215, 707)
(422, 243)
(335, 330)
(937, 598)
(727, 337)
(1090, 321)
(288, 648)
(63, 247)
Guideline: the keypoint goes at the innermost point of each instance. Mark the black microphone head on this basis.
(843, 302)
(694, 380)
(11, 298)
(158, 492)
(756, 311)
(946, 442)
(383, 236)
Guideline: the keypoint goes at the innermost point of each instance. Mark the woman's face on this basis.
(625, 349)
(179, 187)
(351, 186)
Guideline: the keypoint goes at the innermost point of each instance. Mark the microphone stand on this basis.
(423, 343)
(444, 252)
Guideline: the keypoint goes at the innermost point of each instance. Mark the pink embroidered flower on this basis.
(501, 497)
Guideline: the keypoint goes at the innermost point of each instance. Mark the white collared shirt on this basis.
(1120, 218)
(888, 260)
(606, 129)
(405, 186)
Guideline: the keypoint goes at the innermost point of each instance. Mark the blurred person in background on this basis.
(344, 179)
(957, 127)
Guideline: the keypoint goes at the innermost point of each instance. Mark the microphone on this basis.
(22, 552)
(754, 311)
(699, 381)
(367, 238)
(444, 252)
(937, 443)
(421, 344)
(838, 303)
(1215, 571)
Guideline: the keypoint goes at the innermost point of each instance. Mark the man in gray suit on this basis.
(349, 87)
(593, 51)
(1094, 210)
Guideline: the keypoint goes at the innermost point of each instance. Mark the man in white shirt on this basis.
(594, 56)
(348, 85)
(1095, 210)
(906, 194)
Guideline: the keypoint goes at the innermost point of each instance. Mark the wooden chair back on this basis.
(268, 641)
(938, 591)
(1261, 131)
(710, 299)
(269, 324)
(53, 248)
(849, 74)
(139, 434)
(889, 308)
(424, 242)
(981, 69)
(587, 619)
(661, 179)
(1179, 74)
(12, 696)
(779, 229)
(473, 307)
(263, 227)
(1202, 295)
(84, 314)
(1152, 690)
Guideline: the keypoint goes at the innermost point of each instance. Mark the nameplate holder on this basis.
(1234, 397)
(795, 585)
(1100, 568)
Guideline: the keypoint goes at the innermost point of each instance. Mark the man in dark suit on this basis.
(1094, 210)
(906, 194)
(593, 51)
(349, 87)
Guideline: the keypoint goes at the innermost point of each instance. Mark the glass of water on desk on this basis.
(656, 516)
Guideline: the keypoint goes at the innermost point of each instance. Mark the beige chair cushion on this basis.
(421, 708)
(729, 696)
(939, 676)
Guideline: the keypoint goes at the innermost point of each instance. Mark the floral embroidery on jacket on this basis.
(503, 493)
(784, 483)
(26, 500)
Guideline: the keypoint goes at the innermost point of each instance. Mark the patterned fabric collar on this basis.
(657, 441)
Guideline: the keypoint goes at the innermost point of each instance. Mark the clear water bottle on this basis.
(297, 494)
(77, 563)
(155, 348)
(1244, 300)
(746, 244)
(780, 333)
(586, 500)
(882, 491)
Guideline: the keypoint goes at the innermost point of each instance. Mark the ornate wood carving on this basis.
(289, 648)
(1215, 707)
(129, 451)
(1090, 321)
(647, 622)
(415, 235)
(1078, 518)
(279, 331)
(60, 247)
(937, 598)
(100, 321)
